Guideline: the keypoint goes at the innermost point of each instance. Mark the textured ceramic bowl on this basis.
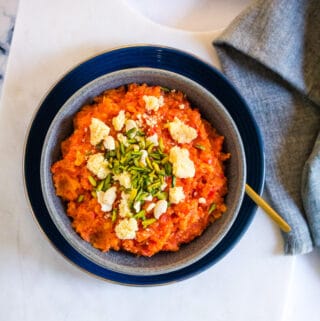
(210, 108)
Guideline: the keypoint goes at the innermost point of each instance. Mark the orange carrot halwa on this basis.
(142, 171)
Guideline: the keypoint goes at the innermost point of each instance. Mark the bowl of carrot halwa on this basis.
(143, 171)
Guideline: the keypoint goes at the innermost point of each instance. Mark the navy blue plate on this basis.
(155, 57)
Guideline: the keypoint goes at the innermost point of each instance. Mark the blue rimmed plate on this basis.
(132, 57)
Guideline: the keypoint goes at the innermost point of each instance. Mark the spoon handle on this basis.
(268, 209)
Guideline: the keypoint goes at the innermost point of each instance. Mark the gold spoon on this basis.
(268, 209)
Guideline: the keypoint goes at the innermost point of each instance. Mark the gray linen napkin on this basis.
(271, 52)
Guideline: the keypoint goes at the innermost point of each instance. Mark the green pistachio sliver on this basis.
(142, 143)
(156, 167)
(130, 132)
(141, 196)
(165, 160)
(140, 133)
(92, 181)
(136, 153)
(149, 162)
(148, 222)
(162, 195)
(94, 194)
(154, 186)
(122, 148)
(155, 155)
(165, 89)
(114, 215)
(212, 208)
(133, 195)
(168, 169)
(132, 141)
(100, 186)
(107, 183)
(118, 153)
(173, 182)
(80, 198)
(149, 147)
(198, 146)
(161, 145)
(141, 215)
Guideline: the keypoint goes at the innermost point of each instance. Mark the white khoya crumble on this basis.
(126, 229)
(153, 102)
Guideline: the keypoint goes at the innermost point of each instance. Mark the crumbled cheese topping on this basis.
(176, 194)
(182, 165)
(181, 106)
(150, 207)
(126, 229)
(143, 157)
(109, 143)
(123, 139)
(98, 165)
(148, 198)
(160, 208)
(151, 121)
(107, 198)
(163, 186)
(153, 139)
(137, 206)
(124, 210)
(118, 121)
(124, 179)
(98, 131)
(202, 200)
(181, 132)
(153, 102)
(131, 124)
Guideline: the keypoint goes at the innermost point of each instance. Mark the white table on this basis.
(253, 282)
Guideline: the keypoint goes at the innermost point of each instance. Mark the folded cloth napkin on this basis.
(271, 52)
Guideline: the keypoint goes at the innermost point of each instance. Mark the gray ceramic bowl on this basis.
(210, 108)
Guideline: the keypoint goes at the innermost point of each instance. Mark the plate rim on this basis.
(165, 50)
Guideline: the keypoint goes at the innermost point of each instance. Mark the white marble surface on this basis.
(254, 282)
(8, 10)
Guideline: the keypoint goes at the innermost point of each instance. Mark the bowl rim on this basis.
(89, 254)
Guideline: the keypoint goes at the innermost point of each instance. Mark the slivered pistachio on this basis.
(156, 167)
(80, 198)
(114, 215)
(155, 156)
(165, 89)
(100, 186)
(141, 215)
(154, 185)
(149, 147)
(173, 182)
(149, 162)
(161, 145)
(107, 183)
(94, 194)
(148, 222)
(141, 196)
(165, 160)
(133, 195)
(92, 181)
(122, 148)
(140, 133)
(212, 208)
(118, 153)
(168, 169)
(198, 146)
(132, 141)
(142, 143)
(130, 133)
(162, 195)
